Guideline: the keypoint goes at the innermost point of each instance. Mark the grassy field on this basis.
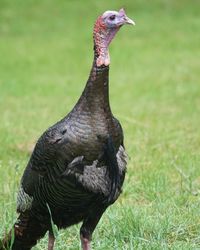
(45, 58)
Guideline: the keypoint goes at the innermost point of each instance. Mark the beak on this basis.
(129, 21)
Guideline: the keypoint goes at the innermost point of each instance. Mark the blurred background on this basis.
(46, 52)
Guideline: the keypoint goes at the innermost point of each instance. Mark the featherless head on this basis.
(113, 19)
(105, 29)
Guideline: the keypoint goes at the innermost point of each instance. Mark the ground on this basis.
(46, 54)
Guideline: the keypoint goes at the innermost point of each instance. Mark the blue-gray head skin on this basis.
(105, 29)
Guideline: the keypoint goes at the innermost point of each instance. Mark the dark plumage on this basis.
(78, 165)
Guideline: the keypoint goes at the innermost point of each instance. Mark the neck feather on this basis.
(95, 97)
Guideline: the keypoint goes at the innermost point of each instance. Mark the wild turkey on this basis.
(78, 165)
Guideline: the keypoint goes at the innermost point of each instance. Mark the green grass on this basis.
(45, 58)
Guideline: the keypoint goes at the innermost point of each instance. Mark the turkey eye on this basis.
(112, 17)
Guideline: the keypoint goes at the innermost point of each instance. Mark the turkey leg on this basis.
(88, 227)
(51, 241)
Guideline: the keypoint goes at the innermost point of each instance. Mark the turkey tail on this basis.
(113, 169)
(24, 234)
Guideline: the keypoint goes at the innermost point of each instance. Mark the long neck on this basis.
(95, 96)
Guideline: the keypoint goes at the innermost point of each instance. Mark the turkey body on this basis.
(72, 178)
